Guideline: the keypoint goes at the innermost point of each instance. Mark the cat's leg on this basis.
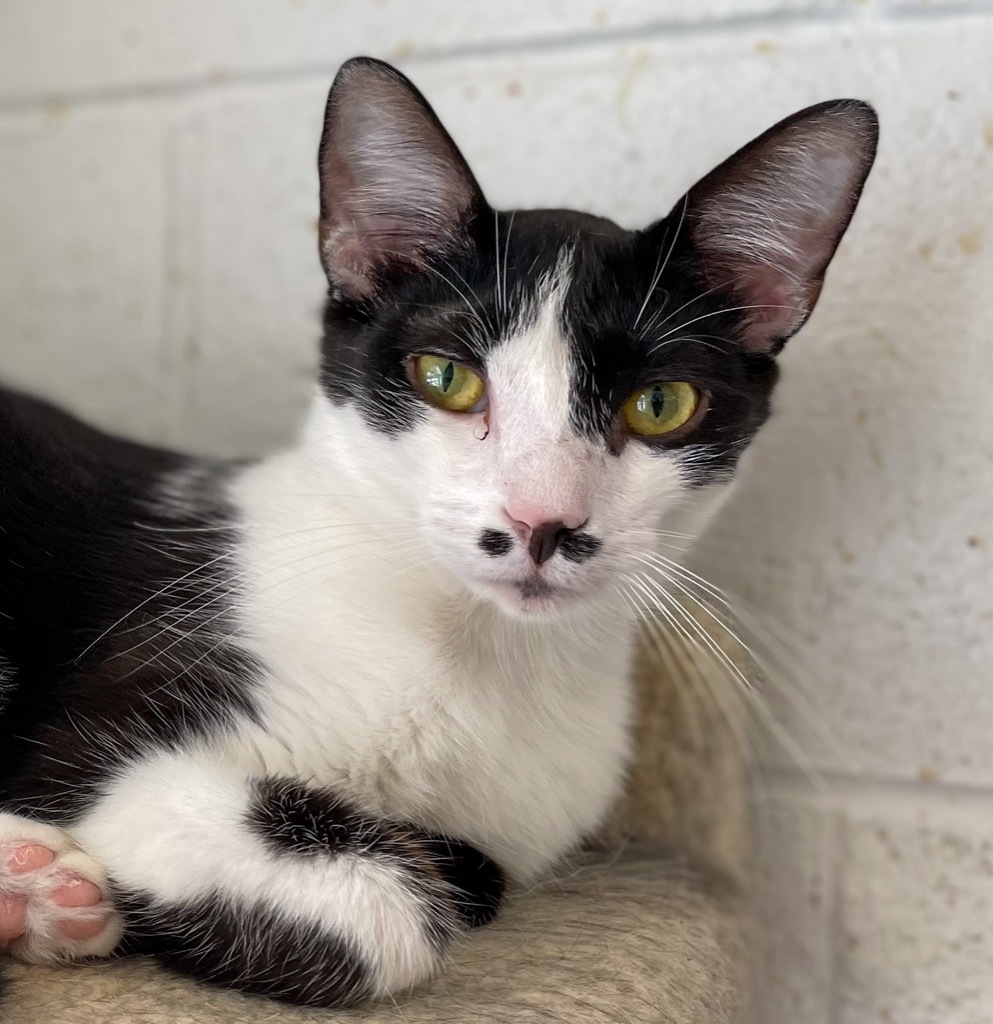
(54, 904)
(275, 887)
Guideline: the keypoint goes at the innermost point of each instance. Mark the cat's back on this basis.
(76, 506)
(45, 451)
(69, 495)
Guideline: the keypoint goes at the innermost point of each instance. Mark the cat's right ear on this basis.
(394, 188)
(765, 224)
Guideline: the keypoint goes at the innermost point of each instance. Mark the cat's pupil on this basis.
(447, 376)
(658, 401)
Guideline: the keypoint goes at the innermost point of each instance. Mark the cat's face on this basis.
(539, 333)
(554, 401)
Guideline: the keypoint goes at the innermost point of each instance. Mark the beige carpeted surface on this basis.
(636, 941)
(645, 929)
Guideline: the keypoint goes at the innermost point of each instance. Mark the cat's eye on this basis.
(660, 408)
(448, 384)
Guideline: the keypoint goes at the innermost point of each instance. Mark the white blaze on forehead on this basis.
(530, 374)
(547, 470)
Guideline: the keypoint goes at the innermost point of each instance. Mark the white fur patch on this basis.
(388, 683)
(544, 466)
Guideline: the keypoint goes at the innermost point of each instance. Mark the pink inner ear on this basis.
(394, 187)
(347, 261)
(355, 253)
(766, 223)
(777, 307)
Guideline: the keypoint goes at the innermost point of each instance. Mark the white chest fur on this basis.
(420, 704)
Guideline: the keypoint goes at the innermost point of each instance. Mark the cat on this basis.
(294, 724)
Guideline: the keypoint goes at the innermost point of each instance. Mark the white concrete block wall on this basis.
(158, 273)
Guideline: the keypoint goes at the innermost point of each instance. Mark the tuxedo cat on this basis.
(293, 724)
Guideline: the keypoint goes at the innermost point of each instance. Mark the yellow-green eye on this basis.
(447, 384)
(661, 408)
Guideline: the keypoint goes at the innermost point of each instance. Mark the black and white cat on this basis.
(291, 724)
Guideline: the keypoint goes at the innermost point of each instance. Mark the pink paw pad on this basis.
(53, 901)
(30, 857)
(13, 917)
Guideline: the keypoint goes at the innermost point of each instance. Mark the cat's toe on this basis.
(76, 891)
(54, 902)
(29, 857)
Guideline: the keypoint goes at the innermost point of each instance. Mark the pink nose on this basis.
(540, 530)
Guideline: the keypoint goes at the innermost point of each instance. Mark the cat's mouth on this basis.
(534, 587)
(533, 595)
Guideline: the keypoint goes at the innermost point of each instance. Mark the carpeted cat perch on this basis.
(645, 928)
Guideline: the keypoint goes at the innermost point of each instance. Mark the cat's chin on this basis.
(533, 598)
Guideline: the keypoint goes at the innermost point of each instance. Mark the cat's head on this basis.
(549, 397)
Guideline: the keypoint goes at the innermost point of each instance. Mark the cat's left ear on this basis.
(766, 223)
(394, 188)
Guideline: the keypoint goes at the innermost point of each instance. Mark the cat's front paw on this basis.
(54, 902)
(477, 883)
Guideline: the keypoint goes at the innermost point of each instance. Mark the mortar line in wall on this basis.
(855, 787)
(833, 916)
(645, 33)
(948, 10)
(661, 28)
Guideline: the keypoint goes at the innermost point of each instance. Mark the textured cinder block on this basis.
(915, 945)
(938, 8)
(251, 362)
(82, 263)
(59, 46)
(794, 889)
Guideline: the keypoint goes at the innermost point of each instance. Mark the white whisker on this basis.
(660, 270)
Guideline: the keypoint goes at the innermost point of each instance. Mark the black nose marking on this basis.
(495, 543)
(545, 539)
(577, 547)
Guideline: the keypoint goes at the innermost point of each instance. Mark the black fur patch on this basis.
(496, 542)
(112, 597)
(476, 880)
(578, 547)
(292, 817)
(253, 949)
(534, 588)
